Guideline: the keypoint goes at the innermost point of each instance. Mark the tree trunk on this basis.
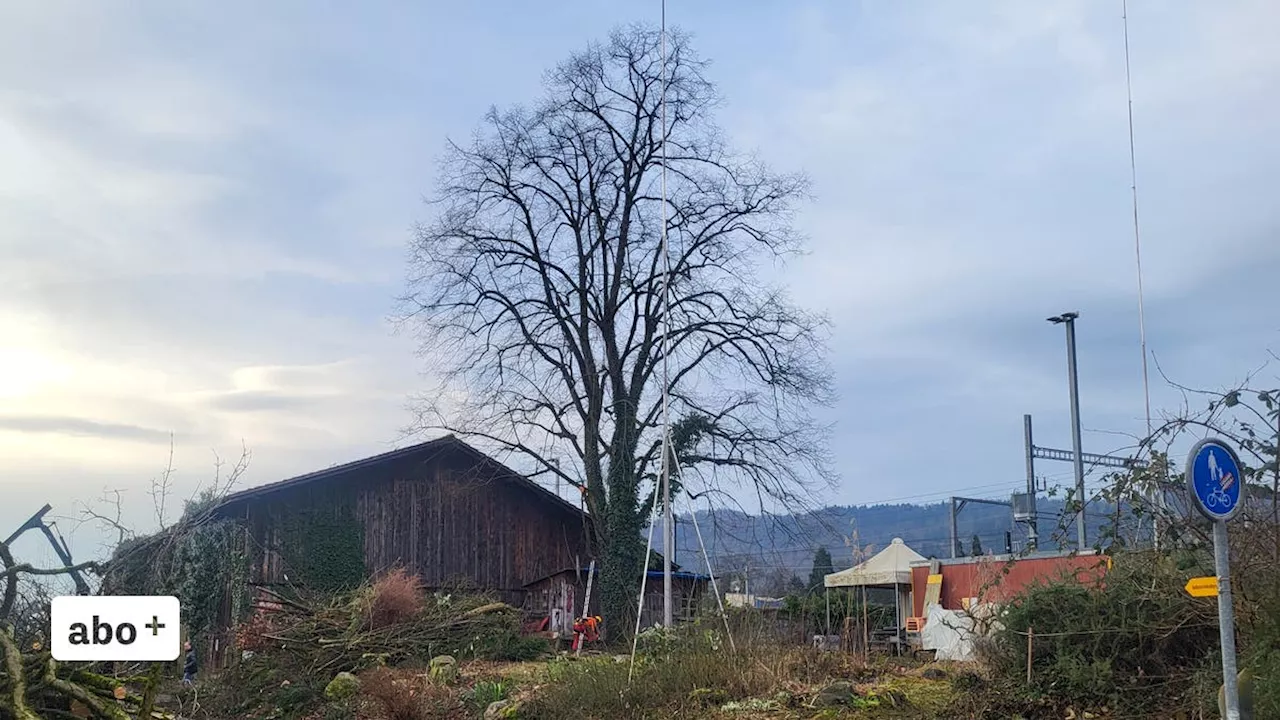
(622, 546)
(620, 573)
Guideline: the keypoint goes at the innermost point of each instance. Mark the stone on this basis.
(344, 685)
(706, 697)
(934, 674)
(444, 669)
(1244, 691)
(502, 710)
(834, 695)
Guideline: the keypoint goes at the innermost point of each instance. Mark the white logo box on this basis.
(115, 628)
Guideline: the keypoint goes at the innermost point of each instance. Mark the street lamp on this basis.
(1069, 319)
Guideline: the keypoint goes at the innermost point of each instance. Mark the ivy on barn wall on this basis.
(195, 562)
(320, 550)
(209, 562)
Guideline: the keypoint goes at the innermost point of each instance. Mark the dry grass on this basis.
(394, 598)
(693, 680)
(409, 695)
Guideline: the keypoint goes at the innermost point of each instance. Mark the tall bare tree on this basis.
(538, 292)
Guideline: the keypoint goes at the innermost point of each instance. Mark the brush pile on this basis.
(388, 622)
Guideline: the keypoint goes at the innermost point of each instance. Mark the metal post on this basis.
(1069, 319)
(668, 544)
(1075, 430)
(955, 540)
(1226, 621)
(897, 621)
(1033, 536)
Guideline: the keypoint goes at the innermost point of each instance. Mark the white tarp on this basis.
(949, 632)
(890, 566)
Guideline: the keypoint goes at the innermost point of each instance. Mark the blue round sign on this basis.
(1213, 477)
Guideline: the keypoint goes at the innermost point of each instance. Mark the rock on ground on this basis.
(444, 669)
(835, 695)
(502, 710)
(342, 686)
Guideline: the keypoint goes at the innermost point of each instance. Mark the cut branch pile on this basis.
(33, 685)
(349, 633)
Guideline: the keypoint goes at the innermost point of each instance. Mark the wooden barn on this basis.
(441, 509)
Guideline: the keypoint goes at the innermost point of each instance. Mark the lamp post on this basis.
(1069, 319)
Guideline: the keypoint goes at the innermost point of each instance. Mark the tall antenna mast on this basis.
(1137, 252)
(668, 519)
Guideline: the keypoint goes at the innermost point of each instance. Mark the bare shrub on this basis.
(402, 696)
(394, 598)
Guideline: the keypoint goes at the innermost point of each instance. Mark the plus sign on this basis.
(155, 625)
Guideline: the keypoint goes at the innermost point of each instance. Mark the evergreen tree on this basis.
(822, 567)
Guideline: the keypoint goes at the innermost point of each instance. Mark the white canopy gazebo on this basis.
(889, 568)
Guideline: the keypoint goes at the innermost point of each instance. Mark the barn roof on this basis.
(414, 454)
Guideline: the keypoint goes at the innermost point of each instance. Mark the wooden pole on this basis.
(1030, 635)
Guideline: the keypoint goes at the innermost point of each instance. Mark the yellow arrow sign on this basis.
(1202, 587)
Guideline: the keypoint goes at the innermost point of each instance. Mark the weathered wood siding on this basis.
(451, 521)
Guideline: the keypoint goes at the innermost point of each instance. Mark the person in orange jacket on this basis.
(586, 629)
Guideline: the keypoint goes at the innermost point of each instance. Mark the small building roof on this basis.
(889, 567)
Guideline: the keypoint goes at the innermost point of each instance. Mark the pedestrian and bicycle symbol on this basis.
(1213, 478)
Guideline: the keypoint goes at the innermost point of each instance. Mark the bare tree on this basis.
(538, 294)
(1247, 415)
(32, 684)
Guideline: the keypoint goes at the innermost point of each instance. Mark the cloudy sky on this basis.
(204, 210)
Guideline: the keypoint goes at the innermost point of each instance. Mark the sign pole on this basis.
(1217, 486)
(1226, 620)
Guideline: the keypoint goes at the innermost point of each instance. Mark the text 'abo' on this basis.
(115, 628)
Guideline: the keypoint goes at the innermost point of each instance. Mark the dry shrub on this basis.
(409, 696)
(394, 598)
(249, 635)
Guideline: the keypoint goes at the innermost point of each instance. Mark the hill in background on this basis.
(782, 545)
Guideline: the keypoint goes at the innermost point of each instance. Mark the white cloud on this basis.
(923, 197)
(202, 213)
